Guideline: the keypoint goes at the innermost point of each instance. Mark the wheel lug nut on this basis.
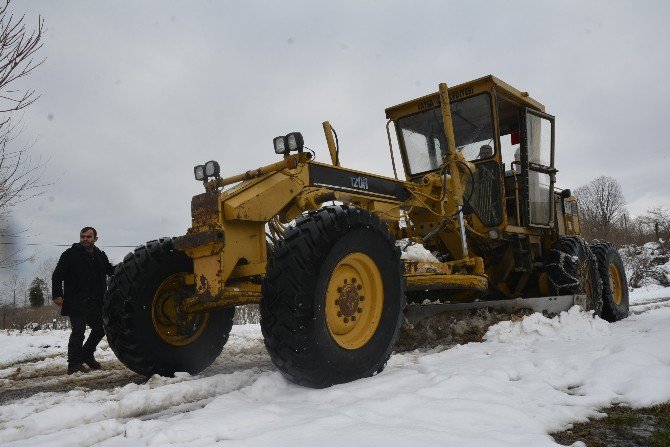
(339, 290)
(359, 310)
(337, 302)
(345, 281)
(339, 314)
(362, 298)
(353, 318)
(353, 280)
(346, 320)
(359, 287)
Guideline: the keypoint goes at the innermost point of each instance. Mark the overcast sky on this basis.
(134, 94)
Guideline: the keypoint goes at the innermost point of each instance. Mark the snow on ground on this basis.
(648, 293)
(16, 347)
(526, 379)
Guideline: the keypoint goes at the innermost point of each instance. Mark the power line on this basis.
(64, 245)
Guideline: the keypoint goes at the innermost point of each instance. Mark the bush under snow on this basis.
(647, 265)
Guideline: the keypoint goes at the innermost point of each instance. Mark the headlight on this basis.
(212, 169)
(294, 141)
(199, 172)
(280, 145)
(289, 143)
(209, 169)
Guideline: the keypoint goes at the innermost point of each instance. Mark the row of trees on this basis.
(25, 302)
(16, 291)
(603, 215)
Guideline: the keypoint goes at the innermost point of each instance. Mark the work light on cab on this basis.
(199, 172)
(289, 143)
(295, 141)
(280, 145)
(212, 169)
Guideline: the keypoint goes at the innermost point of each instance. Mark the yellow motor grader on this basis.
(318, 246)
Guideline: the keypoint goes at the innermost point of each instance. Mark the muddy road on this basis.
(47, 373)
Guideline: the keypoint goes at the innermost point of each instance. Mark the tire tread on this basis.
(121, 304)
(287, 304)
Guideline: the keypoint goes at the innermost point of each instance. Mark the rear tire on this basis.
(143, 326)
(613, 277)
(333, 298)
(572, 269)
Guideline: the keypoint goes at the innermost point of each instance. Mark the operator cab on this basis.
(527, 151)
(503, 132)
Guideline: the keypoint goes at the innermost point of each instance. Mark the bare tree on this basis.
(11, 253)
(13, 290)
(656, 221)
(19, 173)
(44, 272)
(602, 207)
(18, 46)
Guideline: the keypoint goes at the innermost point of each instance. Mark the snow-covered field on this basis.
(527, 379)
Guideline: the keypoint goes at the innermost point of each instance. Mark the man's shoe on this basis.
(76, 367)
(93, 363)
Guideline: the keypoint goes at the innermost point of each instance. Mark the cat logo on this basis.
(359, 182)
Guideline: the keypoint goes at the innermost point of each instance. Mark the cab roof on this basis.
(470, 88)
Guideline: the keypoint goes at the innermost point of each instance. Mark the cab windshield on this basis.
(425, 145)
(422, 134)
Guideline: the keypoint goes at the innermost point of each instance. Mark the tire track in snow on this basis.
(103, 401)
(644, 306)
(30, 378)
(34, 359)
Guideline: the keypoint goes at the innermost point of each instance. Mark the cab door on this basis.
(537, 161)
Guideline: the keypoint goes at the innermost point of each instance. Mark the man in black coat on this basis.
(84, 269)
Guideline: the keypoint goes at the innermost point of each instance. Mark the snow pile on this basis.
(415, 252)
(571, 325)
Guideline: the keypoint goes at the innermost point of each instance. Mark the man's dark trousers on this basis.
(76, 353)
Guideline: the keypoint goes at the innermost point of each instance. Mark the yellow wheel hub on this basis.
(172, 325)
(615, 284)
(354, 301)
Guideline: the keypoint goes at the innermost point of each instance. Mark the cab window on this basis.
(422, 134)
(510, 135)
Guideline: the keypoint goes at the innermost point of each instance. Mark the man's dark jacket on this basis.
(85, 279)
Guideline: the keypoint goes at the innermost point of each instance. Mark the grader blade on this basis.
(550, 304)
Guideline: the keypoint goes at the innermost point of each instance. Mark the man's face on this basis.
(485, 152)
(87, 239)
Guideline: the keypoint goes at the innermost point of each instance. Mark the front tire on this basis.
(333, 298)
(615, 285)
(144, 326)
(572, 269)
